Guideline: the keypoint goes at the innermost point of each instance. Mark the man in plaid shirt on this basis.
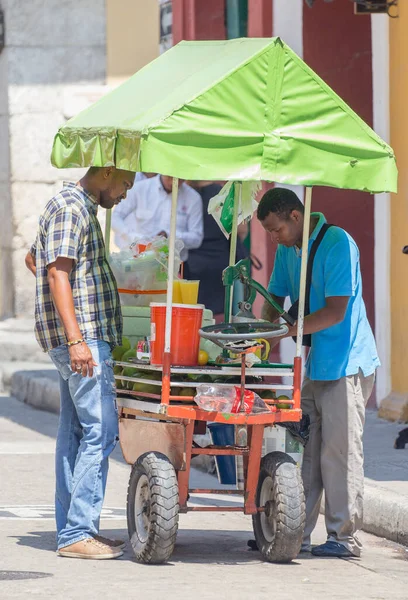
(78, 321)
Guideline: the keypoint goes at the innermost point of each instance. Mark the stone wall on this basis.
(54, 64)
(6, 228)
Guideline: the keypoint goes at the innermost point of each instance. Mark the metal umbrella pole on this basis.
(240, 432)
(302, 292)
(234, 239)
(169, 301)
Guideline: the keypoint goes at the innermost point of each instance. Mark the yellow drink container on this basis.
(189, 291)
(177, 299)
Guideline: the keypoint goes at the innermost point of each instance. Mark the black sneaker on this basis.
(333, 550)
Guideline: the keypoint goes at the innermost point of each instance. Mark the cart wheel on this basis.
(152, 508)
(279, 529)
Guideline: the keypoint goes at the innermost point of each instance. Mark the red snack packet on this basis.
(249, 398)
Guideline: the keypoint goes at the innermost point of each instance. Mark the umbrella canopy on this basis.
(246, 109)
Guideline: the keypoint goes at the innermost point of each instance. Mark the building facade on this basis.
(58, 58)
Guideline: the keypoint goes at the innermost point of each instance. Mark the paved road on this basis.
(210, 561)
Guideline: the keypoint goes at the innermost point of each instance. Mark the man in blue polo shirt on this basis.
(340, 369)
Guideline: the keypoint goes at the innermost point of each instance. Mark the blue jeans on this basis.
(87, 434)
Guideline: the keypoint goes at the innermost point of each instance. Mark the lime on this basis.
(283, 404)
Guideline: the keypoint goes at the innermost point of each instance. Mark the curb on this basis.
(37, 388)
(385, 512)
(8, 368)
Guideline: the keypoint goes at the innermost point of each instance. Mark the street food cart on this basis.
(246, 110)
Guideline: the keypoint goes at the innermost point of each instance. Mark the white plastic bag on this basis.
(221, 206)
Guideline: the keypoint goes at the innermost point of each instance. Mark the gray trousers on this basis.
(333, 459)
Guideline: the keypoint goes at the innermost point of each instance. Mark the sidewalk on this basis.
(386, 469)
(386, 480)
(19, 350)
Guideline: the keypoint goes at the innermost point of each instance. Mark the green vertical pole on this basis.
(237, 18)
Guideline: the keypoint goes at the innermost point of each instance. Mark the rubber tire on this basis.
(164, 508)
(288, 508)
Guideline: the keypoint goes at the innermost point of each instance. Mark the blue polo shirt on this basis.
(344, 348)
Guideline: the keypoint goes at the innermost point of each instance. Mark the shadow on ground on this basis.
(193, 546)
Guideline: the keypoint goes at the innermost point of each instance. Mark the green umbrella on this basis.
(245, 109)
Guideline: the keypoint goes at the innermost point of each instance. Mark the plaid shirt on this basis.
(69, 228)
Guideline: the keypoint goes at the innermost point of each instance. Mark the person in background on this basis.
(147, 213)
(340, 369)
(141, 176)
(78, 321)
(207, 262)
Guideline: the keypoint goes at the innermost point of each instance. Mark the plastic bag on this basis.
(300, 431)
(143, 267)
(228, 400)
(157, 247)
(221, 206)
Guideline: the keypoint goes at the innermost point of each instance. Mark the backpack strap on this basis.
(310, 261)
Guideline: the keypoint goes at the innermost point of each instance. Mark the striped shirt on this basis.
(69, 228)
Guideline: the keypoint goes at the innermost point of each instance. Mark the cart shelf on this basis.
(267, 370)
(194, 384)
(192, 412)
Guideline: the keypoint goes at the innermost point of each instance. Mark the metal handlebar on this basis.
(230, 332)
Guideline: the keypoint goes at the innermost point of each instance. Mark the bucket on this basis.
(185, 339)
(223, 435)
